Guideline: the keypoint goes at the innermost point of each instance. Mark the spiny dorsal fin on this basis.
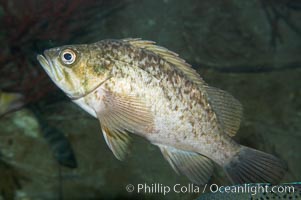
(169, 56)
(122, 114)
(196, 167)
(227, 108)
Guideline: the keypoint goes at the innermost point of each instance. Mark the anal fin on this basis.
(196, 167)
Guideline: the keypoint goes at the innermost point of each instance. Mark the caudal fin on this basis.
(253, 166)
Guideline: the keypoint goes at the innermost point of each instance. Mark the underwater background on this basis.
(51, 149)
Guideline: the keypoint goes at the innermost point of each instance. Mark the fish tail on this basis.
(253, 166)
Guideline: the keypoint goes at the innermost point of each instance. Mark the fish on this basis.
(287, 191)
(59, 144)
(10, 101)
(133, 86)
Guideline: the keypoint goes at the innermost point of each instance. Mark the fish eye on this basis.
(68, 56)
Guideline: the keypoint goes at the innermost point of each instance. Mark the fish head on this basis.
(76, 69)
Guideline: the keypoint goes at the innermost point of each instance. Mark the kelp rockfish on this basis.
(133, 86)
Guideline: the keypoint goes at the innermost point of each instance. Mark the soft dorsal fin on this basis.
(169, 56)
(122, 114)
(196, 167)
(227, 108)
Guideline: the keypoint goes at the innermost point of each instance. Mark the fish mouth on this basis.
(53, 72)
(43, 61)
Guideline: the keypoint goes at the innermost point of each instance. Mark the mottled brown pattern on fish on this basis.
(157, 67)
(194, 105)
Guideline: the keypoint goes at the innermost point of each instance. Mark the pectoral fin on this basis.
(196, 167)
(123, 114)
(117, 140)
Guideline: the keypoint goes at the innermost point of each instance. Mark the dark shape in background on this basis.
(58, 142)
